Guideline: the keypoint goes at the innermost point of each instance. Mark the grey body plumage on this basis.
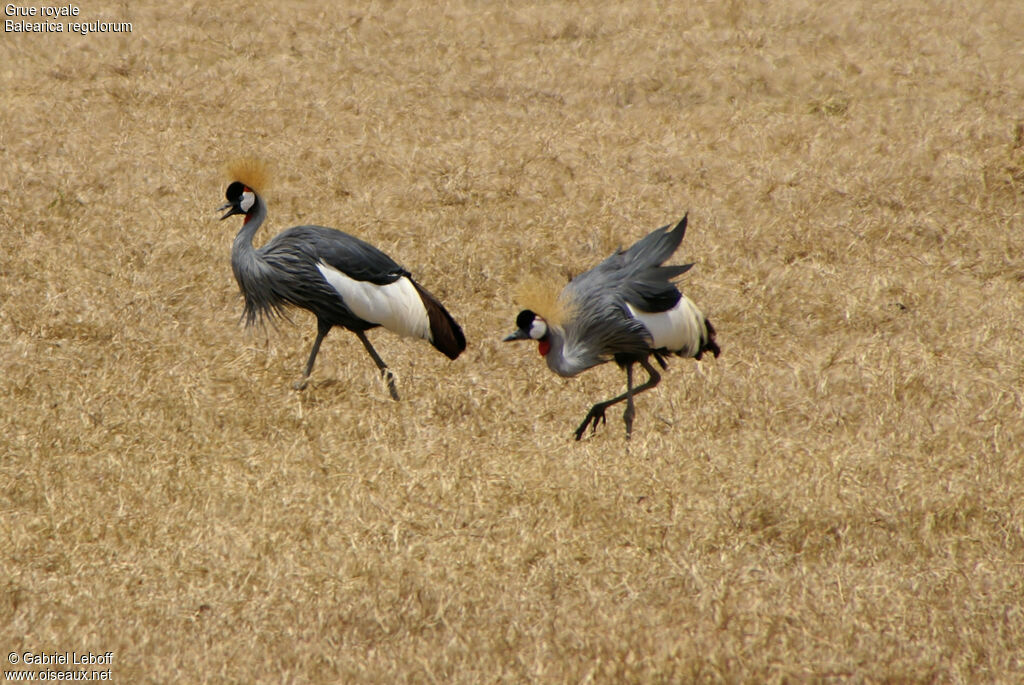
(625, 309)
(337, 277)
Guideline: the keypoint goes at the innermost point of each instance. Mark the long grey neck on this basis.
(555, 357)
(250, 268)
(571, 360)
(242, 249)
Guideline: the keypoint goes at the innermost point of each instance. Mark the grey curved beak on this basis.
(231, 210)
(518, 335)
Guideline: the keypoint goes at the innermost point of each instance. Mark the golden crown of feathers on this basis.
(250, 172)
(543, 296)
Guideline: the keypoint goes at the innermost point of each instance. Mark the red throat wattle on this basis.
(543, 347)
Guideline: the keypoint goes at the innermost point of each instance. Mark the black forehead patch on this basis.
(525, 319)
(234, 191)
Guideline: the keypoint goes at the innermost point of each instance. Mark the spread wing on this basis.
(602, 326)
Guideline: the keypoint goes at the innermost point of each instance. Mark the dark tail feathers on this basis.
(708, 345)
(445, 333)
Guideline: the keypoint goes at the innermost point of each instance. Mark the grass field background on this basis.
(839, 497)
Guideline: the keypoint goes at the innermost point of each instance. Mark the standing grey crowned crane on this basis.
(341, 279)
(626, 308)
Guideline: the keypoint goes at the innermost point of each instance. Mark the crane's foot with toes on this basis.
(594, 417)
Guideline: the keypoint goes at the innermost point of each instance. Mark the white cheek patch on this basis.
(538, 329)
(395, 306)
(247, 201)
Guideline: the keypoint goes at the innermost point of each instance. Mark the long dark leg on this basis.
(384, 370)
(627, 416)
(322, 328)
(596, 413)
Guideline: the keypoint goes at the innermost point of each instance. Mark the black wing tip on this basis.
(709, 345)
(458, 337)
(445, 332)
(681, 226)
(675, 270)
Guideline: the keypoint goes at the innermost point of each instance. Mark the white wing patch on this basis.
(680, 329)
(395, 306)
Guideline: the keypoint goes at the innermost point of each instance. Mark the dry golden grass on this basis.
(839, 497)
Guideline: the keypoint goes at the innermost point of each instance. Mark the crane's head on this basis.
(249, 177)
(241, 200)
(531, 326)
